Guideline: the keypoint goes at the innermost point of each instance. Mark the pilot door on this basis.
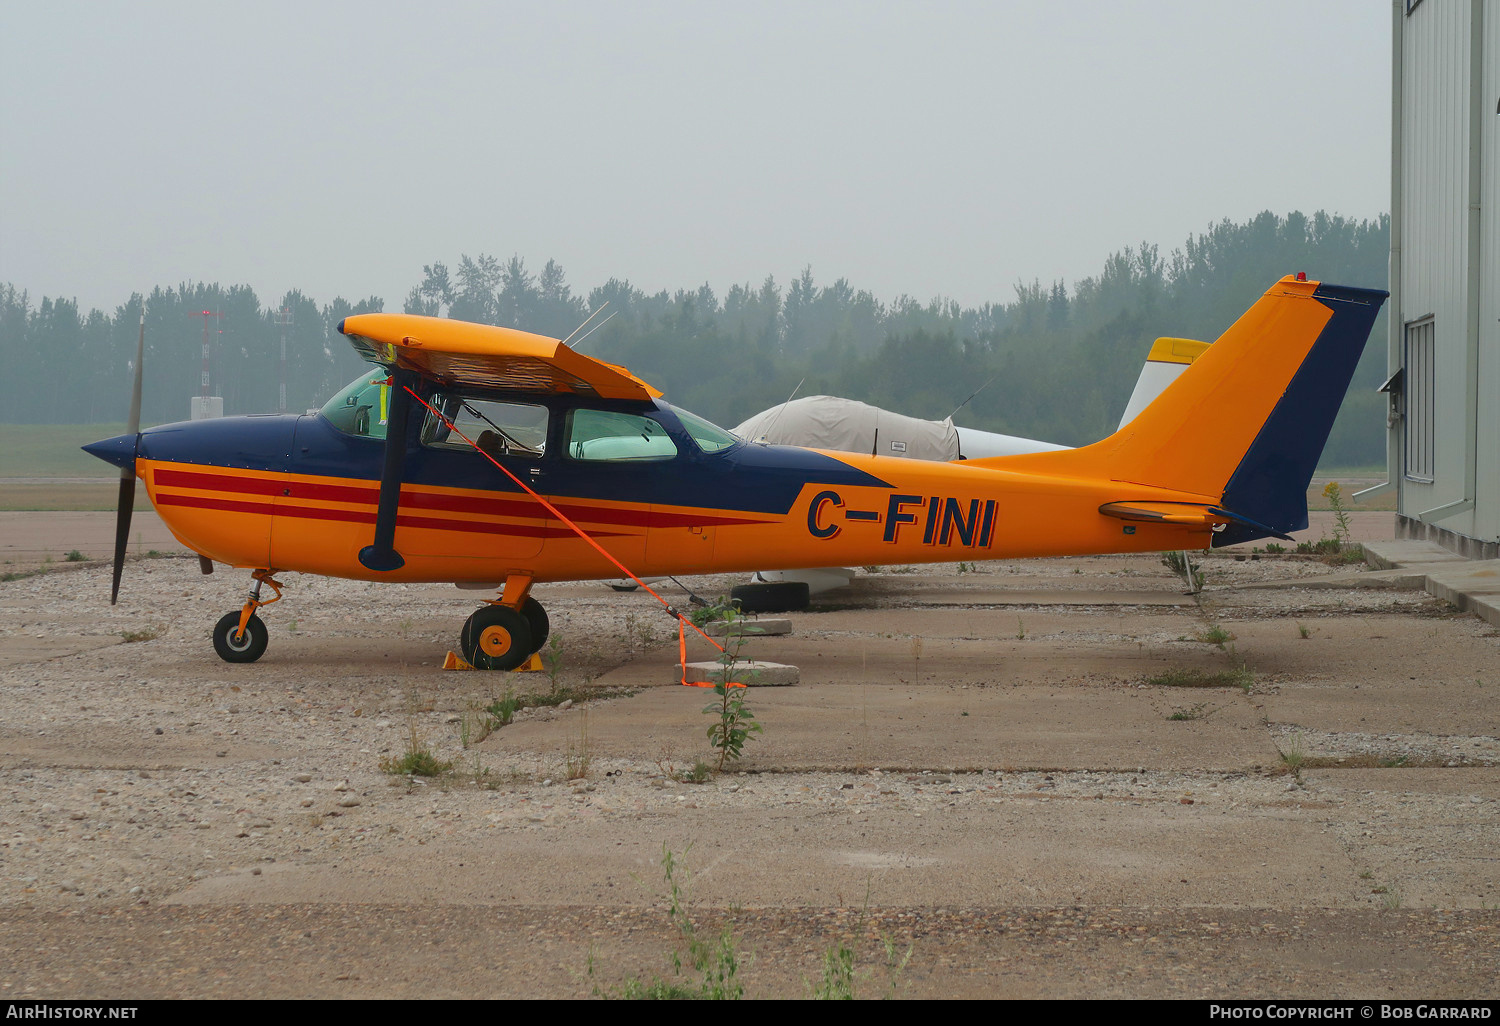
(456, 503)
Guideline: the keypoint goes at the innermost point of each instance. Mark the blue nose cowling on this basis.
(119, 450)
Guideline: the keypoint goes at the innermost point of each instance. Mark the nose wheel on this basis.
(497, 637)
(241, 636)
(236, 646)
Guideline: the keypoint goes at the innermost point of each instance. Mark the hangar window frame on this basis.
(1419, 396)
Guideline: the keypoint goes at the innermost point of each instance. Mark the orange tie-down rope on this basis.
(681, 620)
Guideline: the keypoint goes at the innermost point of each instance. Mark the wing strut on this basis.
(381, 554)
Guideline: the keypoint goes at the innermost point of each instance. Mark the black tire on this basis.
(536, 619)
(781, 597)
(246, 649)
(496, 638)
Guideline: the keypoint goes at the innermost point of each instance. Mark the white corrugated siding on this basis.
(1435, 179)
(1487, 496)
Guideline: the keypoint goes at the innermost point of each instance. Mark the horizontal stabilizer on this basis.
(1190, 513)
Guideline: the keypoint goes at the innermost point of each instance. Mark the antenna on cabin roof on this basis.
(771, 426)
(595, 328)
(590, 317)
(972, 394)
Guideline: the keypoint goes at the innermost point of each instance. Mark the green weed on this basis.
(1191, 712)
(417, 760)
(1180, 564)
(74, 556)
(1214, 635)
(1303, 630)
(576, 763)
(733, 721)
(715, 962)
(1294, 755)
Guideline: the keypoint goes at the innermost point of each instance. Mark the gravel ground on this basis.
(176, 826)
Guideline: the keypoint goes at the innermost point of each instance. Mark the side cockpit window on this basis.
(362, 407)
(500, 429)
(602, 435)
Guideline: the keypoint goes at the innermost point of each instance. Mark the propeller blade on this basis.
(122, 529)
(126, 504)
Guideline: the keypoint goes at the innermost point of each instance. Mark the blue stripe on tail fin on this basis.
(1270, 483)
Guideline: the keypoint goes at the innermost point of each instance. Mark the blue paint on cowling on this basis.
(257, 442)
(1270, 484)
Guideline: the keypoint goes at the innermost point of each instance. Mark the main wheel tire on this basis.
(536, 619)
(496, 638)
(244, 649)
(781, 597)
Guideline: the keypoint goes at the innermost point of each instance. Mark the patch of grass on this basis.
(1303, 630)
(1020, 629)
(715, 962)
(1294, 755)
(1183, 566)
(146, 634)
(701, 773)
(74, 556)
(19, 575)
(417, 760)
(576, 763)
(840, 977)
(1237, 678)
(1214, 635)
(1191, 712)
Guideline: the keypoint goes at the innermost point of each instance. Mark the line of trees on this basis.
(1058, 363)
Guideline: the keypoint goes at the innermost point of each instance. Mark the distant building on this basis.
(1443, 450)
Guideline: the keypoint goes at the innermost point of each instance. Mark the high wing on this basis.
(455, 353)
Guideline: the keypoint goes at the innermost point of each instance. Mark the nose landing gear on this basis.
(241, 637)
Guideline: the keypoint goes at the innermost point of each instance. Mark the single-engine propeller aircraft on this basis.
(493, 458)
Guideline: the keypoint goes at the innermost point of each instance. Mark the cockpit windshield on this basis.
(361, 407)
(710, 437)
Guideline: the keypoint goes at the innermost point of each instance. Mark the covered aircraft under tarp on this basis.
(847, 425)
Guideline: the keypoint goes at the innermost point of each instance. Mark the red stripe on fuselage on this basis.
(443, 502)
(356, 516)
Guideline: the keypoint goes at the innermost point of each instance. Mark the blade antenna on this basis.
(972, 394)
(595, 328)
(590, 317)
(771, 426)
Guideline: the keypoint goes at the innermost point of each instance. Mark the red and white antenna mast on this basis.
(206, 314)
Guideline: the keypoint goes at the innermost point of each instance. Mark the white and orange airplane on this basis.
(493, 458)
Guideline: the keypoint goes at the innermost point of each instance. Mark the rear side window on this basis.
(599, 435)
(500, 429)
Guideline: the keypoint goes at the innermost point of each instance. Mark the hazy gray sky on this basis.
(929, 148)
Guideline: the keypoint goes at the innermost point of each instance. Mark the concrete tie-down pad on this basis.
(750, 672)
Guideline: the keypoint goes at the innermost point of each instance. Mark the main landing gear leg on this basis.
(241, 637)
(503, 633)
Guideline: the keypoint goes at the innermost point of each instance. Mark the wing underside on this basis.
(457, 353)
